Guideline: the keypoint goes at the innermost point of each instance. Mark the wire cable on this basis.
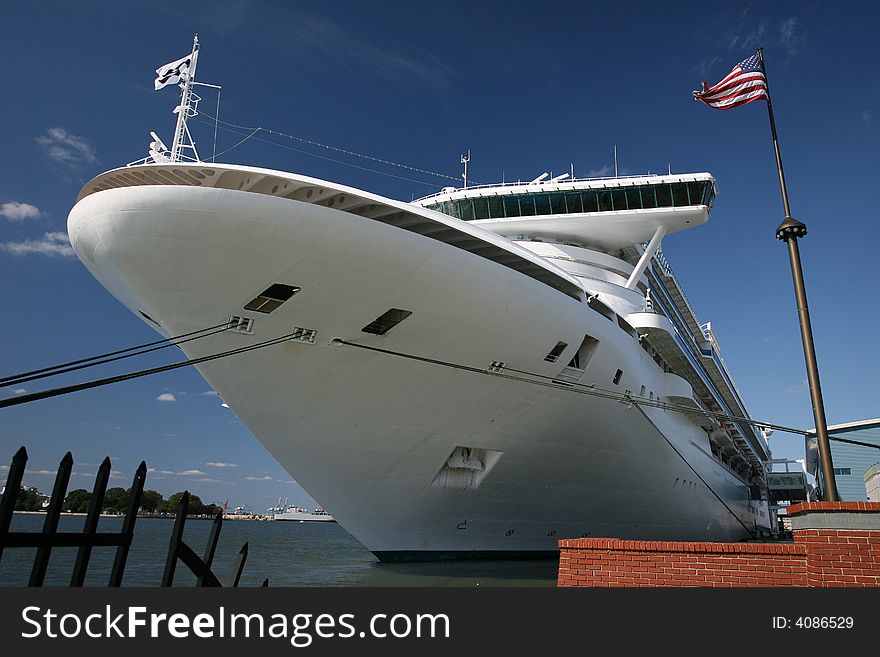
(254, 130)
(583, 389)
(607, 394)
(55, 392)
(97, 360)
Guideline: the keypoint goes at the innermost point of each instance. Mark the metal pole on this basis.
(185, 96)
(789, 231)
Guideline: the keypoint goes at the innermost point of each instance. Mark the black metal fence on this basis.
(89, 537)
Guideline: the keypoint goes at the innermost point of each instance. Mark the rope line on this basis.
(598, 392)
(55, 392)
(70, 366)
(583, 389)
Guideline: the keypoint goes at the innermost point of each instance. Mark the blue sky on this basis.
(526, 88)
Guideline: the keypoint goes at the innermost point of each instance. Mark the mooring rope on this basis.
(109, 357)
(55, 392)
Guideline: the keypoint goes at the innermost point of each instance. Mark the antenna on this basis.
(668, 168)
(615, 160)
(464, 161)
(572, 170)
(187, 108)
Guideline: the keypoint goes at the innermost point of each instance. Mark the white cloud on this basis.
(789, 36)
(266, 478)
(15, 211)
(19, 391)
(4, 468)
(868, 117)
(206, 480)
(166, 397)
(208, 393)
(705, 67)
(182, 473)
(43, 472)
(797, 389)
(52, 244)
(67, 148)
(600, 173)
(222, 465)
(749, 38)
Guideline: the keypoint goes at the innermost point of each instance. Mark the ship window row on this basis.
(641, 197)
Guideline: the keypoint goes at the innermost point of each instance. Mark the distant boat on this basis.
(298, 514)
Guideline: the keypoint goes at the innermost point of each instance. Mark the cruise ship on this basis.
(478, 373)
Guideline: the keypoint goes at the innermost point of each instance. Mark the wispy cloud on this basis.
(66, 148)
(221, 465)
(208, 393)
(181, 473)
(19, 391)
(207, 480)
(705, 67)
(266, 478)
(166, 397)
(796, 389)
(301, 31)
(15, 211)
(51, 244)
(790, 37)
(868, 117)
(748, 37)
(599, 173)
(43, 472)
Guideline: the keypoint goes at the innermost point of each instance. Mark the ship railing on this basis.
(526, 183)
(150, 159)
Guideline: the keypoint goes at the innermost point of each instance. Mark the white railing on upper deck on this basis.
(551, 182)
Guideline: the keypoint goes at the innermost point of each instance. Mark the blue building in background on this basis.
(855, 447)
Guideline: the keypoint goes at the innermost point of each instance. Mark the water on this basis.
(288, 553)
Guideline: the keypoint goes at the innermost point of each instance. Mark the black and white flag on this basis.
(174, 72)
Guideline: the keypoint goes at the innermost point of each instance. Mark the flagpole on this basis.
(789, 231)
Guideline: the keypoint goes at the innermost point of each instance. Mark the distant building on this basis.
(872, 482)
(855, 447)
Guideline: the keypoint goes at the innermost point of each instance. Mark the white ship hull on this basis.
(367, 434)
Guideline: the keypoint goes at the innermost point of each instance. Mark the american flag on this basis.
(745, 83)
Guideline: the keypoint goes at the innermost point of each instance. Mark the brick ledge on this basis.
(681, 546)
(826, 507)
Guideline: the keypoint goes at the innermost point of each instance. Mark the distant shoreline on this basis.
(146, 515)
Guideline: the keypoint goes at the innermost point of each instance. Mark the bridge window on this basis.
(481, 208)
(699, 192)
(680, 194)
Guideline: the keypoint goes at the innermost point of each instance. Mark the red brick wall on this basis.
(818, 557)
(840, 557)
(612, 562)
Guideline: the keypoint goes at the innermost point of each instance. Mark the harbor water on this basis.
(288, 553)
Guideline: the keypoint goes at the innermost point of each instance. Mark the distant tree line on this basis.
(115, 501)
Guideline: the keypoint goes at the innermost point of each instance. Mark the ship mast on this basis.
(187, 108)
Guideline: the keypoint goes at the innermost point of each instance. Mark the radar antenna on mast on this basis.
(464, 161)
